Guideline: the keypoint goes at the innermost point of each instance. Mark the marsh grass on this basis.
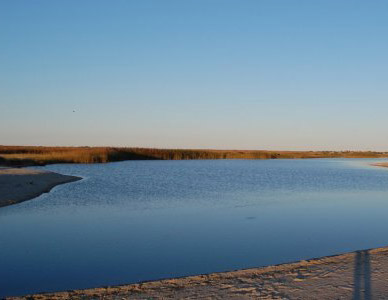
(34, 155)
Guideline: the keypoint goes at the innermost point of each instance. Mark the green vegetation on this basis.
(32, 155)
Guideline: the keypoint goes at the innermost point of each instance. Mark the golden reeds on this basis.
(34, 155)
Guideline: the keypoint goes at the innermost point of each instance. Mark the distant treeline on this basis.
(34, 155)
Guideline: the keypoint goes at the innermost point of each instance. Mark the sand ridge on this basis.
(383, 164)
(17, 185)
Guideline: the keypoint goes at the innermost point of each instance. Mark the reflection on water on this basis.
(143, 220)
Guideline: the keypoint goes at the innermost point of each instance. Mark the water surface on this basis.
(142, 220)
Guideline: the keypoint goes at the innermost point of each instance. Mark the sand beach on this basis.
(21, 184)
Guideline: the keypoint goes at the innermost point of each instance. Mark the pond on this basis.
(133, 221)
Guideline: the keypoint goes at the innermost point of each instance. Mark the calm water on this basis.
(141, 220)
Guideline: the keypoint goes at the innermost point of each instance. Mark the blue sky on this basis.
(195, 74)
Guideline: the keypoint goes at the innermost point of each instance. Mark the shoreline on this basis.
(383, 165)
(345, 276)
(19, 185)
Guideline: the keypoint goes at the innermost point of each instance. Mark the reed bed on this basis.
(35, 155)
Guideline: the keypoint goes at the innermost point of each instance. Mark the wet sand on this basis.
(356, 275)
(18, 185)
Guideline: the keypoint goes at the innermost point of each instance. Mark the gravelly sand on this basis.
(356, 275)
(17, 185)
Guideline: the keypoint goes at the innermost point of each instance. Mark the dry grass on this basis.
(32, 155)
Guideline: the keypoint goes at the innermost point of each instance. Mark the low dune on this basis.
(18, 185)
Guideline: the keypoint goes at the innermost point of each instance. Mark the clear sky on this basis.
(226, 74)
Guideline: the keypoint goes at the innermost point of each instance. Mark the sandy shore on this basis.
(384, 164)
(356, 275)
(17, 185)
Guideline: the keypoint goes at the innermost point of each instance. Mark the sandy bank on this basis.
(17, 185)
(356, 275)
(384, 164)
